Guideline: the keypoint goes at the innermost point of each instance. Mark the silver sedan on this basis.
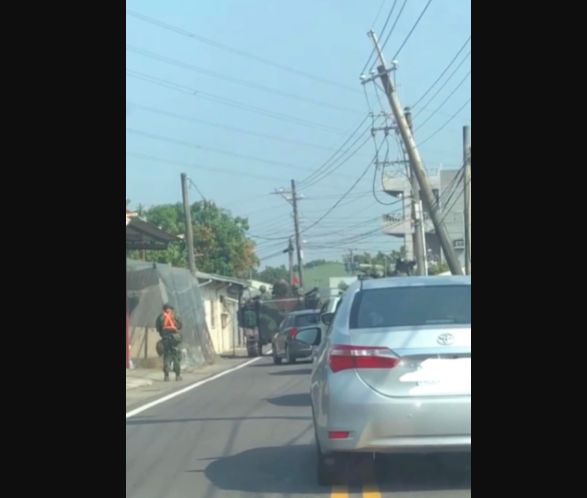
(393, 372)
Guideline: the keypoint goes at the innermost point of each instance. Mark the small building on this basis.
(222, 296)
(447, 188)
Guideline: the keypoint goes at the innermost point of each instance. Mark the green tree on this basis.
(272, 274)
(220, 239)
(436, 268)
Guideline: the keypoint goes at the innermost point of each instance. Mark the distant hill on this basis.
(318, 276)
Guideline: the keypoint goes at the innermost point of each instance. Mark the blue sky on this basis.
(179, 119)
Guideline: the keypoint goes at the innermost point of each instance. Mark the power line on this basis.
(186, 164)
(412, 30)
(373, 190)
(333, 207)
(447, 191)
(229, 102)
(442, 73)
(331, 196)
(444, 101)
(451, 189)
(332, 169)
(328, 170)
(445, 124)
(442, 86)
(268, 238)
(371, 111)
(394, 24)
(460, 176)
(345, 229)
(193, 119)
(270, 256)
(334, 154)
(183, 143)
(242, 53)
(197, 189)
(378, 13)
(249, 84)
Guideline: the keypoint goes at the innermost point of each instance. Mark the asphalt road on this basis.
(249, 433)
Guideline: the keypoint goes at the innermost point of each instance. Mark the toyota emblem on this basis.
(446, 339)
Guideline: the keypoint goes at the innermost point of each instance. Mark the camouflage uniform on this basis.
(251, 331)
(171, 351)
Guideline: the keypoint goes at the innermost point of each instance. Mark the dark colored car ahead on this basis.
(284, 341)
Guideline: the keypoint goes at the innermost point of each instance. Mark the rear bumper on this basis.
(384, 424)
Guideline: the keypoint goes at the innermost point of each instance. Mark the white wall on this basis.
(221, 317)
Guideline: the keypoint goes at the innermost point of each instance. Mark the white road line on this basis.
(156, 402)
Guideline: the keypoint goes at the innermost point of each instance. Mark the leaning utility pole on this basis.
(189, 234)
(416, 164)
(417, 215)
(297, 232)
(467, 185)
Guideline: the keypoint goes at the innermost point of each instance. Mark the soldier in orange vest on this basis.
(168, 325)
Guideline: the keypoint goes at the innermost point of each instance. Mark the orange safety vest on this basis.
(169, 322)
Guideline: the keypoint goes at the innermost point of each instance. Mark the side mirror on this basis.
(310, 336)
(326, 318)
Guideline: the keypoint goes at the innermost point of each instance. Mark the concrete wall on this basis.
(221, 317)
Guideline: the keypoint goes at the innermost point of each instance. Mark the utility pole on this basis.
(290, 251)
(416, 164)
(297, 232)
(417, 215)
(189, 234)
(467, 180)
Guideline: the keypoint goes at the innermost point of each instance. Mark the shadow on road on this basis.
(143, 421)
(422, 472)
(301, 399)
(278, 470)
(292, 469)
(302, 371)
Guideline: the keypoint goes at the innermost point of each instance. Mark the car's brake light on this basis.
(338, 434)
(345, 356)
(293, 332)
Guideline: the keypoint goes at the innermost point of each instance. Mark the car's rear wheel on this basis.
(330, 467)
(327, 474)
(290, 358)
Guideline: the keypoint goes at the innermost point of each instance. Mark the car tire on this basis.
(290, 359)
(326, 473)
(329, 467)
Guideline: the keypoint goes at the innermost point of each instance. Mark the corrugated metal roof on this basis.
(222, 278)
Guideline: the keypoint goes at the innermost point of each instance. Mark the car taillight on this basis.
(345, 356)
(293, 332)
(338, 434)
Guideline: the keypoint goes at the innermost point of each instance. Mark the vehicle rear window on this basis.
(304, 320)
(411, 306)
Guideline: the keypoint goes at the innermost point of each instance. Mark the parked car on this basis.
(393, 372)
(285, 344)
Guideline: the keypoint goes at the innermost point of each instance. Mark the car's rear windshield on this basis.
(304, 320)
(411, 306)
